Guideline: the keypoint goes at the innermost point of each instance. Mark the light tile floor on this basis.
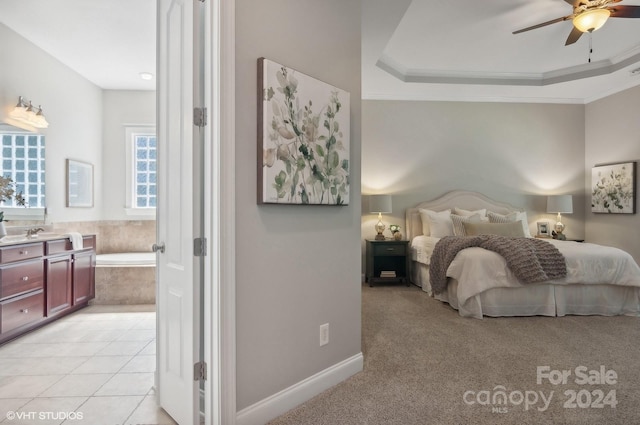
(94, 367)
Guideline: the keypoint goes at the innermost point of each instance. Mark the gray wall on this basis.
(121, 107)
(297, 266)
(515, 153)
(613, 135)
(73, 107)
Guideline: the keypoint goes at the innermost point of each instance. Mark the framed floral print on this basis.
(613, 188)
(303, 138)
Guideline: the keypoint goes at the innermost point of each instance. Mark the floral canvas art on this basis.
(613, 188)
(303, 138)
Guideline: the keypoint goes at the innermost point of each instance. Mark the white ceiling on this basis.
(465, 50)
(411, 49)
(109, 42)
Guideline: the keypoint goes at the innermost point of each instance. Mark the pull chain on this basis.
(590, 45)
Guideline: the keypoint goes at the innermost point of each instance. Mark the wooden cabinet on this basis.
(59, 282)
(84, 276)
(387, 261)
(42, 281)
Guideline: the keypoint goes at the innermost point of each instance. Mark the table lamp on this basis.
(380, 204)
(560, 204)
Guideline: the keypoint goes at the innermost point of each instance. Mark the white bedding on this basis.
(477, 271)
(601, 280)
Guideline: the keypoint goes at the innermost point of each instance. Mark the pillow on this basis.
(511, 230)
(436, 224)
(466, 213)
(511, 217)
(458, 223)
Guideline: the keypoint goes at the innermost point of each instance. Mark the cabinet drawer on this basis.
(21, 277)
(21, 311)
(12, 253)
(389, 249)
(58, 246)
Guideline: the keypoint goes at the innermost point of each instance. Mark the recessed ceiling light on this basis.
(146, 76)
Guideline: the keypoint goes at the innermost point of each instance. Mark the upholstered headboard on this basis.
(456, 198)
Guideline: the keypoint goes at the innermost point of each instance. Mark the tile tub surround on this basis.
(125, 285)
(115, 235)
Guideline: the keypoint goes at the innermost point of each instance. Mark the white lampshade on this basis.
(560, 204)
(591, 20)
(380, 203)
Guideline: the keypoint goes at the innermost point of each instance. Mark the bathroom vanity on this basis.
(43, 279)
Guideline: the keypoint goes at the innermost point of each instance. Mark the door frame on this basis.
(219, 206)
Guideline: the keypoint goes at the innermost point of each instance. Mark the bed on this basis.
(599, 281)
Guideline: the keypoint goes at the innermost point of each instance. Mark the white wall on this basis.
(613, 135)
(297, 266)
(121, 107)
(73, 107)
(514, 153)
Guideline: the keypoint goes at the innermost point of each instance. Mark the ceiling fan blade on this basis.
(544, 24)
(625, 11)
(573, 36)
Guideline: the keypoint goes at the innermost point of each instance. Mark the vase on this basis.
(397, 236)
(3, 230)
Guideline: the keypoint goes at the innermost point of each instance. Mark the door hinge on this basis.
(200, 247)
(200, 371)
(199, 117)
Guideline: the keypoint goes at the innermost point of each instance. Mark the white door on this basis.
(178, 213)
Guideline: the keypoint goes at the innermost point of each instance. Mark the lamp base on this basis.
(380, 237)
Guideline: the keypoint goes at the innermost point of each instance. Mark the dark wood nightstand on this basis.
(387, 261)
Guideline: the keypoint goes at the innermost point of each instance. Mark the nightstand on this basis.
(387, 261)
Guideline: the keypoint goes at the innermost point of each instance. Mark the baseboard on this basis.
(280, 403)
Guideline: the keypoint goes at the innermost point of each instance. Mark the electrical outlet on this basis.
(324, 334)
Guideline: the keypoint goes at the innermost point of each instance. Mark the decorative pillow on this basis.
(458, 223)
(511, 217)
(466, 213)
(436, 224)
(512, 229)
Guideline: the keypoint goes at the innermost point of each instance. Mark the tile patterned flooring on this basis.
(95, 366)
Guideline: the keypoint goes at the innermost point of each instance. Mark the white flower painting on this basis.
(613, 188)
(303, 138)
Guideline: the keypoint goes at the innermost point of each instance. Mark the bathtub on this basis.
(126, 278)
(126, 259)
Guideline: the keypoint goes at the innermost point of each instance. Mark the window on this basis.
(141, 170)
(144, 152)
(23, 161)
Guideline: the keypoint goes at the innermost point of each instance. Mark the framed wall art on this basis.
(79, 184)
(613, 188)
(544, 229)
(303, 138)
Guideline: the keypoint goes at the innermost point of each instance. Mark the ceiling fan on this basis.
(589, 16)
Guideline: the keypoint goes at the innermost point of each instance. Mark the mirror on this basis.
(23, 161)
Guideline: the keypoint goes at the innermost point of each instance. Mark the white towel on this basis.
(76, 240)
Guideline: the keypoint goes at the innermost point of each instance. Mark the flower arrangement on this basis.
(8, 192)
(394, 228)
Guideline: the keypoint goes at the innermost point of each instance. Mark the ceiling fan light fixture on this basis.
(591, 20)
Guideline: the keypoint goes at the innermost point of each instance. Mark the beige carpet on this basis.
(421, 357)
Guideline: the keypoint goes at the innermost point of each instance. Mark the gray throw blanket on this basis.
(530, 260)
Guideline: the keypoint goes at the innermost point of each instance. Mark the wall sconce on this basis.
(380, 204)
(560, 204)
(28, 114)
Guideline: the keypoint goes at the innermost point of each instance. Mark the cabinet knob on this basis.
(25, 252)
(390, 249)
(25, 278)
(24, 310)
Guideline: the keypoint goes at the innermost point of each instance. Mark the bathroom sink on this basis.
(12, 239)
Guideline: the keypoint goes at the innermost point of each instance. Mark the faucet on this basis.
(33, 232)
